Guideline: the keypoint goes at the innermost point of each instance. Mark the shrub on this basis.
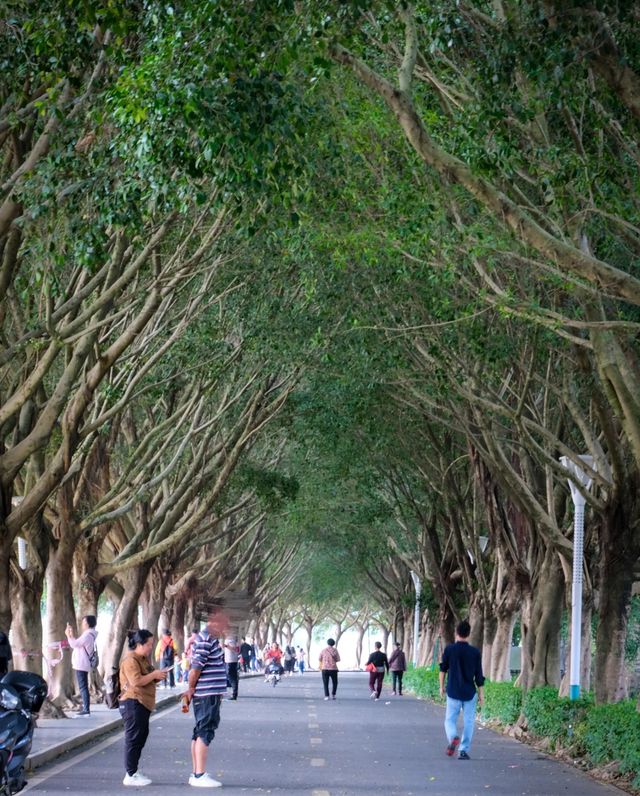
(552, 717)
(612, 732)
(502, 701)
(424, 683)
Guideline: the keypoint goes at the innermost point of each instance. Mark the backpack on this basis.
(168, 655)
(93, 657)
(112, 690)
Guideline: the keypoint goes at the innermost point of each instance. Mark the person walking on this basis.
(379, 665)
(207, 686)
(301, 657)
(231, 655)
(245, 651)
(166, 650)
(84, 648)
(137, 700)
(398, 666)
(289, 659)
(462, 665)
(328, 661)
(5, 653)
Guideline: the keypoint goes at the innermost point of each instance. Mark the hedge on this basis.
(601, 734)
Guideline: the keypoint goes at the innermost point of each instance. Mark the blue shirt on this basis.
(464, 666)
(208, 657)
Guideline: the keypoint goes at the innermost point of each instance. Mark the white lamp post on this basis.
(578, 554)
(416, 617)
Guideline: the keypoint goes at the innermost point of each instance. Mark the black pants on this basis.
(171, 678)
(136, 732)
(83, 686)
(330, 674)
(232, 679)
(396, 679)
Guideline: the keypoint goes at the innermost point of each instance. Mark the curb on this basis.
(54, 751)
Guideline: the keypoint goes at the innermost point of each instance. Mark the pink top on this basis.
(82, 647)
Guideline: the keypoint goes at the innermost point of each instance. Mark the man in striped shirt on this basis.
(207, 686)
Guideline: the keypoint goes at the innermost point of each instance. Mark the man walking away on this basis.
(207, 686)
(462, 664)
(398, 666)
(245, 651)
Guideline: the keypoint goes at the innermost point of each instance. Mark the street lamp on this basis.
(578, 553)
(416, 617)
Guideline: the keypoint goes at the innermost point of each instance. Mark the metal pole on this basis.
(416, 617)
(576, 596)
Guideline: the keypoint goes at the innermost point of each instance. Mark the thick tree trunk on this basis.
(26, 596)
(5, 579)
(501, 653)
(541, 617)
(123, 619)
(489, 639)
(178, 619)
(477, 613)
(60, 610)
(618, 555)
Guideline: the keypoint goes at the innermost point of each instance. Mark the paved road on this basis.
(289, 741)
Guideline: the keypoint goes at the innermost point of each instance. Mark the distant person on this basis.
(245, 651)
(301, 658)
(328, 661)
(462, 664)
(231, 655)
(207, 686)
(190, 642)
(83, 648)
(5, 653)
(380, 664)
(256, 662)
(166, 650)
(398, 666)
(137, 699)
(273, 655)
(289, 659)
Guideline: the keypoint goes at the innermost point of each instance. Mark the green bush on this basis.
(424, 683)
(550, 716)
(502, 701)
(612, 732)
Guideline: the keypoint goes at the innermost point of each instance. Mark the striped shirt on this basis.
(208, 657)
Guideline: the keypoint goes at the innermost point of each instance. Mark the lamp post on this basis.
(22, 542)
(578, 555)
(416, 616)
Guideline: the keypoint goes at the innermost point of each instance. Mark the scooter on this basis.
(7, 742)
(272, 674)
(22, 694)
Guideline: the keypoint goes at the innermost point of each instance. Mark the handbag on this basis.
(370, 667)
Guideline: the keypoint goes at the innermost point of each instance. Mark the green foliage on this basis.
(549, 716)
(423, 682)
(503, 701)
(612, 732)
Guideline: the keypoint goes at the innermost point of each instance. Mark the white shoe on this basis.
(205, 781)
(136, 780)
(372, 695)
(326, 699)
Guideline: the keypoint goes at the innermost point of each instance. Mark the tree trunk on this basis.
(541, 616)
(500, 669)
(177, 620)
(5, 579)
(26, 596)
(489, 638)
(60, 610)
(133, 581)
(618, 556)
(362, 629)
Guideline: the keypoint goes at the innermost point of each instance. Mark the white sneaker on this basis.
(136, 780)
(205, 781)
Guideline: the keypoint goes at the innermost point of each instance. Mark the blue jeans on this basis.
(468, 708)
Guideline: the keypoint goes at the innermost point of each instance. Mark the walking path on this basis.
(288, 740)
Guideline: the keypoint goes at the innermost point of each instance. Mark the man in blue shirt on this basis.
(462, 664)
